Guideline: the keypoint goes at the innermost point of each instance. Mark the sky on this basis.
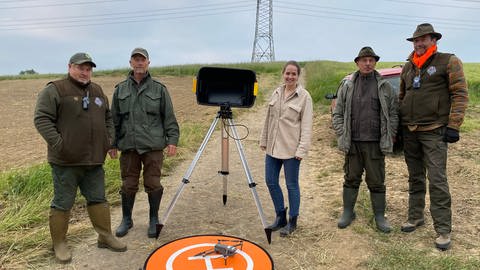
(43, 34)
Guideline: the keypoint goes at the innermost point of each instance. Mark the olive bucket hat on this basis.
(367, 51)
(424, 29)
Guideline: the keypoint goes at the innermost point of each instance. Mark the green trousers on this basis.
(426, 157)
(365, 156)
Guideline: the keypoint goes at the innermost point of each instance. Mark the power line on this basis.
(363, 12)
(185, 12)
(120, 17)
(60, 4)
(431, 4)
(362, 15)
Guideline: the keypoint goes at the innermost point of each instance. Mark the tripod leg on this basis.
(224, 170)
(186, 176)
(251, 183)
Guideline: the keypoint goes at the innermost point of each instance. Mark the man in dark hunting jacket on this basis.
(73, 116)
(433, 98)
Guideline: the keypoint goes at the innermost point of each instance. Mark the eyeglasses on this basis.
(86, 101)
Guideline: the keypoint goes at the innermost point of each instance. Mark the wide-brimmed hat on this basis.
(81, 58)
(365, 52)
(424, 29)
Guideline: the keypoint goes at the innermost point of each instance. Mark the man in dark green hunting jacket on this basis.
(433, 99)
(145, 125)
(73, 116)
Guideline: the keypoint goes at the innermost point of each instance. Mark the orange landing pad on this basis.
(200, 252)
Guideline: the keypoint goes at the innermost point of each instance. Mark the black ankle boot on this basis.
(291, 226)
(280, 220)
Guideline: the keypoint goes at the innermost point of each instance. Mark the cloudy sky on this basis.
(43, 34)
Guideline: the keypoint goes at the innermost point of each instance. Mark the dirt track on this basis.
(317, 244)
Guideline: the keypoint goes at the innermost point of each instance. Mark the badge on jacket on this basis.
(431, 70)
(98, 101)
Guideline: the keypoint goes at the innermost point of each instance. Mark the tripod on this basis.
(225, 113)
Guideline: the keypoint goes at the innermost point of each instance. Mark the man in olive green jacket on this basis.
(145, 125)
(74, 118)
(365, 120)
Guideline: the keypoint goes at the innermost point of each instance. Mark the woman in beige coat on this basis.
(286, 139)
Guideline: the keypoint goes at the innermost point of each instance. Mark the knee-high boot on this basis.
(349, 200)
(154, 199)
(58, 222)
(100, 216)
(128, 200)
(378, 205)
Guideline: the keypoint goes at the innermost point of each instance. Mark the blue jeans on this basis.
(272, 173)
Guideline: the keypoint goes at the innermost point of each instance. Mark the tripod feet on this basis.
(268, 232)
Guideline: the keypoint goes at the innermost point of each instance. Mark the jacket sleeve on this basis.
(338, 111)
(264, 134)
(116, 121)
(109, 123)
(45, 116)
(306, 128)
(172, 130)
(458, 92)
(393, 110)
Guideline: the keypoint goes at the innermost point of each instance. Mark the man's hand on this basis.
(171, 150)
(451, 135)
(113, 153)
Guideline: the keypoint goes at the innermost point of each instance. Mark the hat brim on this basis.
(435, 34)
(139, 53)
(83, 62)
(374, 56)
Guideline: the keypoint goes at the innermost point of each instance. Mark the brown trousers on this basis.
(131, 165)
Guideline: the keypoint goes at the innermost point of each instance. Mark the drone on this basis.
(222, 249)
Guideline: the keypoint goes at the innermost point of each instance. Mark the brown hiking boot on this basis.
(443, 241)
(412, 226)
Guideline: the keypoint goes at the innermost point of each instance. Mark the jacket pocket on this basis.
(293, 112)
(124, 102)
(152, 102)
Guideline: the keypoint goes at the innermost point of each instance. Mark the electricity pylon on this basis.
(263, 43)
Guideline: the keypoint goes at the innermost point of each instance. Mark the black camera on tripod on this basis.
(225, 87)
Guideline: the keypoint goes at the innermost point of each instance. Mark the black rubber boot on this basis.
(291, 226)
(154, 199)
(378, 205)
(280, 220)
(349, 200)
(128, 201)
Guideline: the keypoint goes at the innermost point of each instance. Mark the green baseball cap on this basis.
(80, 58)
(140, 51)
